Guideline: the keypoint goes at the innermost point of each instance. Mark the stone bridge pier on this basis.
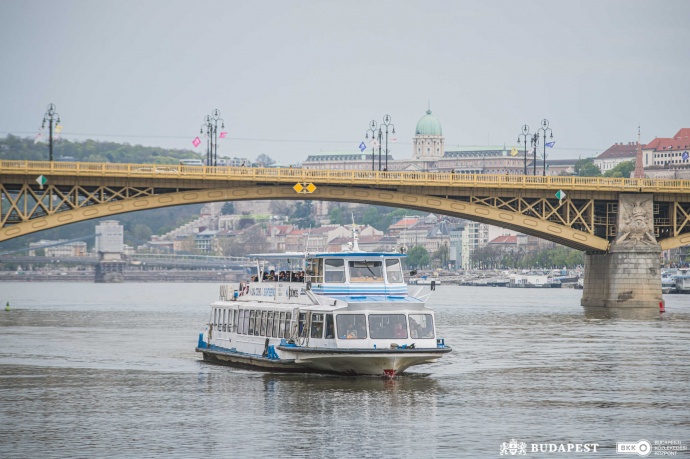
(628, 277)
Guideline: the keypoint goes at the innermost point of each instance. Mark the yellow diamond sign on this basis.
(298, 187)
(513, 152)
(311, 187)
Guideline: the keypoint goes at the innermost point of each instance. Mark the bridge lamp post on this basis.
(524, 134)
(534, 143)
(544, 129)
(211, 125)
(372, 130)
(53, 120)
(387, 123)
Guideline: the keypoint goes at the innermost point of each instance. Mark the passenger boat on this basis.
(344, 313)
(533, 281)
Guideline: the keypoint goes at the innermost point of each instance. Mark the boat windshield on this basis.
(394, 271)
(366, 271)
(421, 326)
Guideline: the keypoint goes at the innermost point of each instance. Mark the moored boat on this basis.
(345, 313)
(533, 281)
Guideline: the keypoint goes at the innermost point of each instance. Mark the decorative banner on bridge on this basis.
(223, 134)
(550, 144)
(196, 142)
(362, 146)
(513, 152)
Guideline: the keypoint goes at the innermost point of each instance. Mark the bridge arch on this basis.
(503, 218)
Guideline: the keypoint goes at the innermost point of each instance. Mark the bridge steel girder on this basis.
(475, 208)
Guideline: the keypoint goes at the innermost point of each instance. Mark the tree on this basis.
(264, 160)
(417, 257)
(336, 216)
(228, 208)
(587, 168)
(442, 255)
(621, 170)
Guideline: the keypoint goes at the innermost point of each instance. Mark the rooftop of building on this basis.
(620, 150)
(428, 125)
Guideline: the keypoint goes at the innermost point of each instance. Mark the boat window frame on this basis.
(240, 322)
(395, 261)
(316, 320)
(235, 313)
(351, 264)
(252, 322)
(288, 319)
(327, 271)
(389, 327)
(329, 322)
(433, 329)
(262, 328)
(344, 333)
(269, 324)
(281, 325)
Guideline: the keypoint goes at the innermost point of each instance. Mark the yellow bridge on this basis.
(585, 218)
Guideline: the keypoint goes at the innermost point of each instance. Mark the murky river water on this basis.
(108, 370)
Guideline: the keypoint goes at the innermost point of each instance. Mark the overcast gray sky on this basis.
(298, 77)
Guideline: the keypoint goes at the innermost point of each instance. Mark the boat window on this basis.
(334, 270)
(234, 321)
(245, 330)
(281, 326)
(330, 327)
(276, 321)
(269, 324)
(262, 332)
(252, 316)
(240, 328)
(213, 319)
(317, 325)
(218, 319)
(365, 271)
(314, 270)
(288, 319)
(421, 326)
(225, 324)
(351, 326)
(302, 321)
(394, 271)
(387, 326)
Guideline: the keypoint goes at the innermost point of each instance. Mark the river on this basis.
(109, 370)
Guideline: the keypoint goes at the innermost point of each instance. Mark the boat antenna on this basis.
(306, 242)
(355, 235)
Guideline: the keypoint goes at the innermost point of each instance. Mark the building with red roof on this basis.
(667, 152)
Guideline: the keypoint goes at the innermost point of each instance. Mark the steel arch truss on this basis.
(576, 214)
(23, 203)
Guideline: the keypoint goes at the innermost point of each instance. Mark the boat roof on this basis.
(302, 255)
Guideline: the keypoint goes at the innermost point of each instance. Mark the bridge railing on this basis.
(293, 175)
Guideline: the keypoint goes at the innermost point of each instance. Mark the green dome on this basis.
(428, 125)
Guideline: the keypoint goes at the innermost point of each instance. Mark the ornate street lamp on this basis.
(53, 119)
(387, 123)
(544, 128)
(534, 143)
(211, 126)
(524, 134)
(372, 129)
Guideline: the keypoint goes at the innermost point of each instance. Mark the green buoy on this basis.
(7, 307)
